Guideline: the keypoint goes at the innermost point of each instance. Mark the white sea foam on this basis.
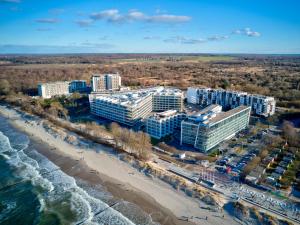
(31, 165)
(8, 207)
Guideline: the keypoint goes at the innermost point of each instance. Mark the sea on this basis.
(33, 190)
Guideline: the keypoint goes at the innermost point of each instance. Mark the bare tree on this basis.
(115, 129)
(56, 109)
(4, 87)
(290, 133)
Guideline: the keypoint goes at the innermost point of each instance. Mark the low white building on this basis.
(48, 90)
(162, 124)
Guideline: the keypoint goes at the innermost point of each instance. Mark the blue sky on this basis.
(153, 26)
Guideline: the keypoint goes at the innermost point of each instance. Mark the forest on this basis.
(271, 75)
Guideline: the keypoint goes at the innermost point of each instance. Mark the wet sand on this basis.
(79, 170)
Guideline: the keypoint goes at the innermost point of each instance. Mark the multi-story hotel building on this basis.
(162, 124)
(77, 86)
(48, 90)
(209, 127)
(130, 107)
(228, 99)
(166, 99)
(106, 82)
(125, 108)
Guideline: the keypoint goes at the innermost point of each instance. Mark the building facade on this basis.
(162, 124)
(48, 90)
(106, 82)
(167, 99)
(77, 86)
(228, 99)
(210, 127)
(128, 109)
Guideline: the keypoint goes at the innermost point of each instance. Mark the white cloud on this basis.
(184, 40)
(47, 20)
(151, 37)
(111, 15)
(167, 18)
(247, 31)
(136, 15)
(84, 23)
(98, 45)
(114, 15)
(217, 37)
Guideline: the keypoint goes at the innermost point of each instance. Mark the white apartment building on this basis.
(131, 107)
(167, 99)
(48, 90)
(104, 82)
(162, 124)
(228, 99)
(125, 108)
(209, 127)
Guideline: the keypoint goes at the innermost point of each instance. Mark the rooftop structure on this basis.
(229, 99)
(209, 127)
(162, 124)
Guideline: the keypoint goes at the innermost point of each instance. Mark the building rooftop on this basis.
(163, 115)
(213, 114)
(54, 82)
(236, 92)
(166, 113)
(167, 91)
(222, 115)
(108, 74)
(131, 98)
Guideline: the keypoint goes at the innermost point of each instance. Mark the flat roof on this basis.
(210, 117)
(54, 82)
(223, 115)
(234, 91)
(133, 97)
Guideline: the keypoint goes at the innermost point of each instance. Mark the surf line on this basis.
(101, 211)
(24, 180)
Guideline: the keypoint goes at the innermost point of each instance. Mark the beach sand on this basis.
(80, 170)
(165, 204)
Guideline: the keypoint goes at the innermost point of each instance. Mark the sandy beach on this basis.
(98, 165)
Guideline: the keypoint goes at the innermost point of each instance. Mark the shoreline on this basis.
(121, 179)
(79, 170)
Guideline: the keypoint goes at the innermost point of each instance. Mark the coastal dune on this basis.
(98, 164)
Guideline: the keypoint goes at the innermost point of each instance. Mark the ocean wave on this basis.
(7, 207)
(56, 185)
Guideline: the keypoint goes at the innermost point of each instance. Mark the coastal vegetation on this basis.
(55, 110)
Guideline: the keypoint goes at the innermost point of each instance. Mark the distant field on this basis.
(208, 58)
(203, 58)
